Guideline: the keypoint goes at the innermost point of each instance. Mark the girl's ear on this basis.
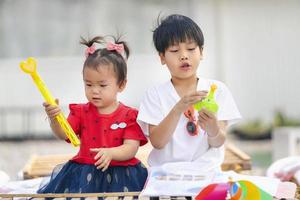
(162, 58)
(122, 85)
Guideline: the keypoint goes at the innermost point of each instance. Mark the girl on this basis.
(109, 134)
(179, 42)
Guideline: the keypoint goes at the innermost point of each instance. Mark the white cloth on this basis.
(4, 178)
(155, 106)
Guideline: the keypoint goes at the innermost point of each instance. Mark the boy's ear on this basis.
(201, 53)
(162, 58)
(122, 85)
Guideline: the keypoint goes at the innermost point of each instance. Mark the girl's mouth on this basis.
(96, 99)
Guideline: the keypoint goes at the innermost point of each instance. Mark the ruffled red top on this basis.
(104, 130)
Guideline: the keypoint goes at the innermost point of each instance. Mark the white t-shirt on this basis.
(156, 105)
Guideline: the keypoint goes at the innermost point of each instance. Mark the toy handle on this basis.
(68, 129)
(43, 89)
(60, 118)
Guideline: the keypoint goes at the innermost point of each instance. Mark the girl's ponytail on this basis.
(126, 48)
(89, 43)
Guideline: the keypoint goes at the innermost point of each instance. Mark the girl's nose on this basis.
(95, 90)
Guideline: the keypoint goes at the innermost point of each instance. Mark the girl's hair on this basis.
(174, 29)
(103, 56)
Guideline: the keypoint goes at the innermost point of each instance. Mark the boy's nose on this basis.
(183, 57)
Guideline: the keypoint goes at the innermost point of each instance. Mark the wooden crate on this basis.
(42, 165)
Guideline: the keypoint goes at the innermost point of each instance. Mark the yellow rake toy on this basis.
(29, 67)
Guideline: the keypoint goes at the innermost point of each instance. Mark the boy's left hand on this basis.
(208, 122)
(103, 157)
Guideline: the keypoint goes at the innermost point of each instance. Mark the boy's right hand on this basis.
(190, 99)
(52, 110)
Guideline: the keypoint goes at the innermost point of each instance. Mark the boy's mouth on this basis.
(185, 65)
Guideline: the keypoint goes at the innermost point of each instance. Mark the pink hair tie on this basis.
(90, 50)
(115, 47)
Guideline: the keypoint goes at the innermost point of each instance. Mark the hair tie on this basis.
(115, 47)
(90, 50)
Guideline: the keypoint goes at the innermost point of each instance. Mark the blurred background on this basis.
(250, 45)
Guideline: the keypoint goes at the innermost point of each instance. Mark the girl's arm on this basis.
(121, 153)
(161, 134)
(52, 111)
(126, 151)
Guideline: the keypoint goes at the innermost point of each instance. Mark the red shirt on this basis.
(104, 130)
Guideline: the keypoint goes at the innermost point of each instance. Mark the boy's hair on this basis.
(103, 56)
(174, 29)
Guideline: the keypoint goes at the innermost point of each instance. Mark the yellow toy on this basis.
(208, 102)
(29, 67)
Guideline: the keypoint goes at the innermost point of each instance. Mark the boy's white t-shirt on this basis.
(156, 105)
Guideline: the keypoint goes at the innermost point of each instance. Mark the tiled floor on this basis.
(14, 155)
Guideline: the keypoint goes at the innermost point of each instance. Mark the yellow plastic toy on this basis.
(208, 102)
(29, 67)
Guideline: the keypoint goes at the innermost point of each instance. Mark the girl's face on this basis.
(182, 59)
(101, 87)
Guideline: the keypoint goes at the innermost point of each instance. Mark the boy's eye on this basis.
(192, 49)
(173, 50)
(103, 85)
(88, 85)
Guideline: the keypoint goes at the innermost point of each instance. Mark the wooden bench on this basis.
(107, 196)
(42, 165)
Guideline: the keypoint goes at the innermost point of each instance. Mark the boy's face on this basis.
(182, 59)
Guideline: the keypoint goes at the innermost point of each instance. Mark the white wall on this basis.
(259, 41)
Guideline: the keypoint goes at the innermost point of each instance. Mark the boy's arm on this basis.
(161, 134)
(218, 139)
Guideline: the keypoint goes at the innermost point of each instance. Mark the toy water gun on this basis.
(29, 67)
(208, 102)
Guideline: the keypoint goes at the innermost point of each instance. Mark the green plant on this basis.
(280, 119)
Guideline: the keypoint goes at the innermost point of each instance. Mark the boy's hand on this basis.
(188, 100)
(52, 110)
(103, 157)
(208, 122)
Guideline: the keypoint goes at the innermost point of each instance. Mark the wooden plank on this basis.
(237, 151)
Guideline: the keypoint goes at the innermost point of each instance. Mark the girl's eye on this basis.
(103, 85)
(191, 49)
(88, 85)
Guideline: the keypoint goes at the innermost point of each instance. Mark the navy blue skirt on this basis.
(74, 177)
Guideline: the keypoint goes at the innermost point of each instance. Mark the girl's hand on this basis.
(287, 173)
(52, 110)
(187, 100)
(284, 175)
(208, 122)
(103, 157)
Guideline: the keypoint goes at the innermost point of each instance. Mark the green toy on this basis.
(208, 102)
